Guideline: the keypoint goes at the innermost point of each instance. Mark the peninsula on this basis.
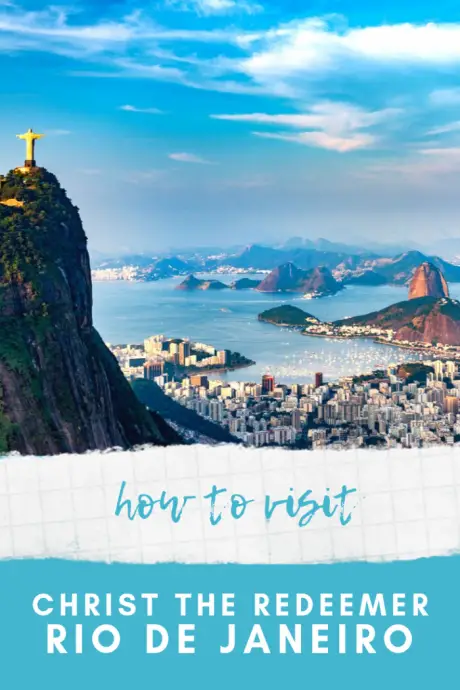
(175, 358)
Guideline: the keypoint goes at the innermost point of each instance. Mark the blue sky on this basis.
(188, 122)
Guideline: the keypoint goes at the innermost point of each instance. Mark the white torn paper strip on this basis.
(406, 505)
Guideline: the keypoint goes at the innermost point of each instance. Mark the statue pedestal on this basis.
(27, 170)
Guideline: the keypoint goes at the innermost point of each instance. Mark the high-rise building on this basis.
(451, 369)
(318, 379)
(222, 357)
(438, 367)
(184, 352)
(199, 381)
(451, 404)
(153, 369)
(154, 344)
(295, 420)
(216, 410)
(330, 412)
(268, 384)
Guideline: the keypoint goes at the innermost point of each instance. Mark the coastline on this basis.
(220, 370)
(415, 347)
(382, 341)
(281, 325)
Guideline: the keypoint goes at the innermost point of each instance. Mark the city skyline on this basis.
(186, 120)
(409, 405)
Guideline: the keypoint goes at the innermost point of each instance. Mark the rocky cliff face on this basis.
(428, 281)
(61, 390)
(289, 278)
(433, 321)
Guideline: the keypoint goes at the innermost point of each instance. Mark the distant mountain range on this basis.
(400, 269)
(258, 257)
(351, 265)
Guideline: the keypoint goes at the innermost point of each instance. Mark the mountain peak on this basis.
(61, 388)
(428, 281)
(289, 278)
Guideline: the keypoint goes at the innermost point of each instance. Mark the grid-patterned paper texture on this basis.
(407, 505)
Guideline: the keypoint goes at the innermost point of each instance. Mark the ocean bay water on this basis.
(126, 312)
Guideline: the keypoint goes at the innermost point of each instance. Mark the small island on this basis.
(316, 282)
(289, 316)
(245, 284)
(191, 283)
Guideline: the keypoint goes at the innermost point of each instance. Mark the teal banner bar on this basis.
(430, 587)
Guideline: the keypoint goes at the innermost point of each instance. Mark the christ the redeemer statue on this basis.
(30, 137)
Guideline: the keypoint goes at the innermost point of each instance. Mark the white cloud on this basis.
(316, 44)
(25, 30)
(199, 80)
(331, 125)
(134, 109)
(287, 60)
(324, 141)
(188, 158)
(210, 7)
(445, 129)
(300, 45)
